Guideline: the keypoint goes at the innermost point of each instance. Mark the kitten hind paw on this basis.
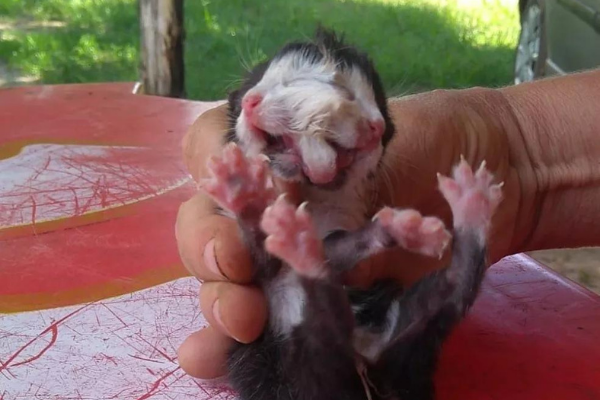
(472, 197)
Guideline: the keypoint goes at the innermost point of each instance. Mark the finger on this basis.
(216, 168)
(204, 138)
(203, 354)
(237, 311)
(210, 245)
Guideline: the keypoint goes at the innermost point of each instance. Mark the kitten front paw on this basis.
(237, 182)
(293, 238)
(413, 232)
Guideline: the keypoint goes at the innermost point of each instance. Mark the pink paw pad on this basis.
(413, 232)
(293, 238)
(471, 196)
(237, 182)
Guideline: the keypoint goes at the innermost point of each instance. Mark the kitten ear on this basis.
(328, 38)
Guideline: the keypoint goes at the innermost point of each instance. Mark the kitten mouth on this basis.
(279, 143)
(345, 157)
(286, 159)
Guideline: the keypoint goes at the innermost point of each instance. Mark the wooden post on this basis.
(162, 36)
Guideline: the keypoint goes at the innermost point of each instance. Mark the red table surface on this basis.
(94, 301)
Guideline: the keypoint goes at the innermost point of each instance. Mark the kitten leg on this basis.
(242, 186)
(239, 184)
(412, 231)
(389, 228)
(473, 200)
(321, 338)
(432, 307)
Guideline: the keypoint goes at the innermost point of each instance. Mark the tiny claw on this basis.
(302, 207)
(263, 157)
(384, 210)
(501, 184)
(301, 212)
(441, 254)
(462, 157)
(441, 178)
(282, 197)
(483, 164)
(432, 226)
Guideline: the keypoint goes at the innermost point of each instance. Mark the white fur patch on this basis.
(286, 302)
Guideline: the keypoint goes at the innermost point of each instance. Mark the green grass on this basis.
(416, 44)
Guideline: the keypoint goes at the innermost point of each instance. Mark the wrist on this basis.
(558, 124)
(489, 130)
(435, 129)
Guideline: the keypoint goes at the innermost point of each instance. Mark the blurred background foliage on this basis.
(416, 44)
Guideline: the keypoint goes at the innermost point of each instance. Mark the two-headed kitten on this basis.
(316, 113)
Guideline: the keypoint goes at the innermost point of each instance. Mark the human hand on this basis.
(433, 130)
(212, 251)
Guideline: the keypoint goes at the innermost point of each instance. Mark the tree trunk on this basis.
(162, 32)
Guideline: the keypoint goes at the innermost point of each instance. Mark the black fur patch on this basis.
(373, 303)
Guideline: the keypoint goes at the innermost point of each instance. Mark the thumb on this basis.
(204, 138)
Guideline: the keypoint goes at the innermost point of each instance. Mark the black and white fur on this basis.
(324, 88)
(320, 335)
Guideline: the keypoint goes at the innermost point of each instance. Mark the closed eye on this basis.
(347, 93)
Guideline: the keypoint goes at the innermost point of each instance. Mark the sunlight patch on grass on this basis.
(483, 22)
(61, 41)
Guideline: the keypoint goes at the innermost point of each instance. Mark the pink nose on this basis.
(377, 127)
(370, 132)
(249, 103)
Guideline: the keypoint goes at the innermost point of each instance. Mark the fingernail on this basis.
(210, 259)
(217, 315)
